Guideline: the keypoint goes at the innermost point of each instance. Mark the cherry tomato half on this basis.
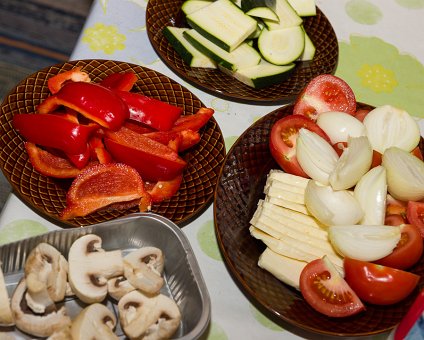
(326, 290)
(408, 251)
(415, 215)
(377, 284)
(282, 142)
(325, 93)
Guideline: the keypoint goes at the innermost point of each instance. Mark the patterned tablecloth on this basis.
(381, 57)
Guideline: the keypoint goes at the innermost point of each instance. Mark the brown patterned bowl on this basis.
(47, 196)
(162, 13)
(238, 190)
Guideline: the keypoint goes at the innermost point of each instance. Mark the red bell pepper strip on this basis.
(151, 111)
(188, 138)
(153, 160)
(98, 150)
(54, 131)
(120, 81)
(163, 190)
(93, 101)
(193, 122)
(101, 185)
(138, 127)
(56, 82)
(50, 165)
(80, 160)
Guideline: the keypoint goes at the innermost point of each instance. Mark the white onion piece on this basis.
(354, 162)
(371, 193)
(332, 207)
(315, 155)
(389, 126)
(340, 125)
(364, 242)
(405, 174)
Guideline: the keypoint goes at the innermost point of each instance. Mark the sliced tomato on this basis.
(394, 219)
(326, 290)
(395, 207)
(282, 142)
(415, 215)
(417, 153)
(325, 93)
(377, 284)
(407, 252)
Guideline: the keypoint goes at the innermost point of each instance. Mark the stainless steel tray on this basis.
(183, 278)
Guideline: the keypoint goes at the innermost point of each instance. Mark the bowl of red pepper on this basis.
(87, 141)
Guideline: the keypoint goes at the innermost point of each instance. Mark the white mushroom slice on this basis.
(94, 322)
(46, 273)
(90, 267)
(6, 315)
(144, 317)
(117, 287)
(143, 269)
(63, 334)
(40, 325)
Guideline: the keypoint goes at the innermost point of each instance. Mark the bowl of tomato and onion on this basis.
(242, 179)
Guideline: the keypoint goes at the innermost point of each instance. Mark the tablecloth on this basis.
(381, 56)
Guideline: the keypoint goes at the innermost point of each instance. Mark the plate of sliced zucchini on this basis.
(251, 51)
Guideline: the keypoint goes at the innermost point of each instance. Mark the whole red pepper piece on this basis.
(54, 131)
(120, 81)
(193, 122)
(153, 160)
(151, 111)
(93, 101)
(56, 82)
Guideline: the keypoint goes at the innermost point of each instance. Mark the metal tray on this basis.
(183, 279)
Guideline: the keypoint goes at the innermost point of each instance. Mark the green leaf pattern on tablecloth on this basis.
(20, 229)
(207, 241)
(411, 4)
(379, 74)
(263, 320)
(106, 38)
(363, 12)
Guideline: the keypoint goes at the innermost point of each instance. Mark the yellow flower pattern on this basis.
(104, 38)
(377, 78)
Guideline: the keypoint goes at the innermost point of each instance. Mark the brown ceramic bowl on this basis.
(47, 196)
(162, 13)
(239, 188)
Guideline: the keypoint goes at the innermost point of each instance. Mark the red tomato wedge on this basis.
(415, 215)
(325, 93)
(407, 252)
(377, 284)
(326, 290)
(282, 141)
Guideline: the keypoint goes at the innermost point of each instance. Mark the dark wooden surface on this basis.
(35, 34)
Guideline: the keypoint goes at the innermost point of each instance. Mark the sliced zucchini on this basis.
(247, 5)
(304, 8)
(258, 30)
(191, 56)
(264, 13)
(309, 50)
(283, 46)
(286, 14)
(243, 56)
(262, 75)
(191, 6)
(223, 23)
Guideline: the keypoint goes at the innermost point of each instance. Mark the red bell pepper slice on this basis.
(98, 150)
(56, 82)
(138, 127)
(163, 190)
(93, 101)
(101, 185)
(80, 160)
(54, 131)
(49, 164)
(193, 122)
(153, 160)
(151, 111)
(187, 138)
(120, 81)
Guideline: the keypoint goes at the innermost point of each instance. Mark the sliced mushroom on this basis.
(90, 267)
(94, 322)
(144, 317)
(46, 273)
(6, 315)
(62, 334)
(41, 325)
(143, 269)
(117, 287)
